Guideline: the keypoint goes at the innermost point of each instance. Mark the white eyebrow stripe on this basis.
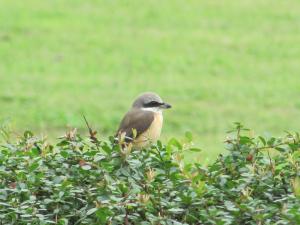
(152, 109)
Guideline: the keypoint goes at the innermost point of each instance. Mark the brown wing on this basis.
(136, 119)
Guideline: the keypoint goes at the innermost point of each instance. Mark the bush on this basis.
(87, 181)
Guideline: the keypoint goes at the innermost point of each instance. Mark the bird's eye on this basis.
(152, 104)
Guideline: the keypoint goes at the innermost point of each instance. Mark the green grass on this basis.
(216, 62)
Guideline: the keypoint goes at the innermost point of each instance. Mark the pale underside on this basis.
(147, 123)
(152, 134)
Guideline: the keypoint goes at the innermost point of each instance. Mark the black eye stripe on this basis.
(153, 104)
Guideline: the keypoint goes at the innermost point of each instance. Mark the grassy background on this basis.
(215, 61)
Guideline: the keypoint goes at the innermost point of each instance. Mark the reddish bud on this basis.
(249, 157)
(13, 185)
(82, 162)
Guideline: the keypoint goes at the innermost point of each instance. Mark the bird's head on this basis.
(150, 101)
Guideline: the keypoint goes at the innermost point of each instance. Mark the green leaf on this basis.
(33, 166)
(195, 149)
(262, 140)
(159, 144)
(91, 211)
(98, 158)
(103, 214)
(280, 149)
(174, 142)
(296, 155)
(26, 216)
(63, 221)
(28, 134)
(176, 210)
(189, 136)
(107, 149)
(64, 154)
(86, 167)
(271, 141)
(34, 152)
(245, 140)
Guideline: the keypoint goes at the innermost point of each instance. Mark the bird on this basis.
(142, 124)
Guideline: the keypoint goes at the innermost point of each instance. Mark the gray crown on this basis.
(145, 98)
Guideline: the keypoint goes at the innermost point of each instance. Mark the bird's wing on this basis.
(137, 119)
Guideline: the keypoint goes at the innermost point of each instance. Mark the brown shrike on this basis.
(142, 124)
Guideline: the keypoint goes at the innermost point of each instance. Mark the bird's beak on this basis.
(165, 106)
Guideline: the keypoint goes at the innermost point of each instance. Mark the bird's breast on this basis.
(152, 134)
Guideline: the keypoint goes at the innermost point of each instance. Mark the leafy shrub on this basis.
(87, 181)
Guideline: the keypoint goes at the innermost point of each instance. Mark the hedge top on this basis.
(87, 181)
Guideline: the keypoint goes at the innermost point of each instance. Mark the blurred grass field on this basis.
(216, 62)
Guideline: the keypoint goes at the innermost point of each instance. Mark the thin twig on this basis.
(91, 132)
(271, 163)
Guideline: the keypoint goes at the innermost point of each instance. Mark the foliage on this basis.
(87, 181)
(61, 58)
